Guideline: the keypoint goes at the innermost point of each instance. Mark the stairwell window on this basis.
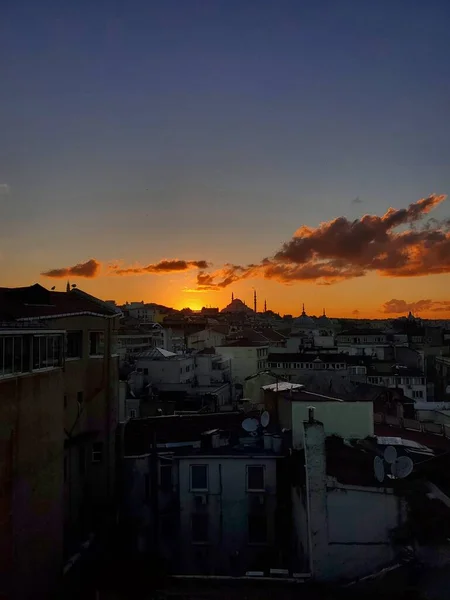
(74, 344)
(255, 478)
(199, 478)
(96, 343)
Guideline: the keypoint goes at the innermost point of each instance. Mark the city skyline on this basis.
(177, 152)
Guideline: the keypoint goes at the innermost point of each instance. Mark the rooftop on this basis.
(242, 343)
(176, 429)
(36, 302)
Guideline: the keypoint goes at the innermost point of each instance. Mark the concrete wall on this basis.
(345, 419)
(88, 494)
(360, 522)
(349, 527)
(168, 371)
(244, 360)
(31, 484)
(205, 339)
(228, 509)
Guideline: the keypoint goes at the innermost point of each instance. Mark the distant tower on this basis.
(265, 306)
(232, 296)
(254, 300)
(303, 308)
(68, 286)
(324, 313)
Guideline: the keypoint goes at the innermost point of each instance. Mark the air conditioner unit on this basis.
(200, 500)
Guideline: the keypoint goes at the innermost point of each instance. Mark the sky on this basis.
(183, 150)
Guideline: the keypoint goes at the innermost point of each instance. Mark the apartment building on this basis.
(247, 357)
(218, 501)
(89, 404)
(31, 458)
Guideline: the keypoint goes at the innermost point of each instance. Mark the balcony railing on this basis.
(412, 424)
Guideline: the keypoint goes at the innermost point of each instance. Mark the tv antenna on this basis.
(402, 467)
(250, 425)
(390, 454)
(265, 419)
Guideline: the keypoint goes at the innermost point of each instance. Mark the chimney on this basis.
(316, 496)
(311, 410)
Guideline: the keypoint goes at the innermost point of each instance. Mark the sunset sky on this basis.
(181, 150)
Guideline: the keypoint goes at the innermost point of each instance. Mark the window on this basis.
(199, 478)
(417, 394)
(257, 529)
(74, 344)
(200, 527)
(255, 478)
(97, 452)
(96, 343)
(132, 413)
(145, 371)
(165, 477)
(82, 460)
(80, 397)
(47, 351)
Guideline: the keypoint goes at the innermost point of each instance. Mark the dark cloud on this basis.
(357, 200)
(88, 269)
(395, 306)
(343, 249)
(163, 266)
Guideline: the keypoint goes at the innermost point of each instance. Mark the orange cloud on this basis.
(87, 269)
(401, 306)
(164, 266)
(341, 249)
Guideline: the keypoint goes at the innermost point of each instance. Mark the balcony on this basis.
(22, 353)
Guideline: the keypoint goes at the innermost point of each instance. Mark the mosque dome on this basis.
(304, 321)
(324, 322)
(236, 306)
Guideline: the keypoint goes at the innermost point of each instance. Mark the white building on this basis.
(133, 340)
(196, 374)
(207, 338)
(366, 342)
(217, 494)
(411, 381)
(246, 358)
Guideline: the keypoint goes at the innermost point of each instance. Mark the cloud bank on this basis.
(341, 249)
(164, 266)
(401, 306)
(87, 269)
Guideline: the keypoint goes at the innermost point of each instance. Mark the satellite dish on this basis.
(402, 467)
(250, 425)
(390, 454)
(378, 468)
(253, 433)
(265, 419)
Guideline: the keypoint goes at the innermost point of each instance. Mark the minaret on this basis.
(324, 313)
(265, 306)
(68, 286)
(232, 296)
(303, 313)
(254, 300)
